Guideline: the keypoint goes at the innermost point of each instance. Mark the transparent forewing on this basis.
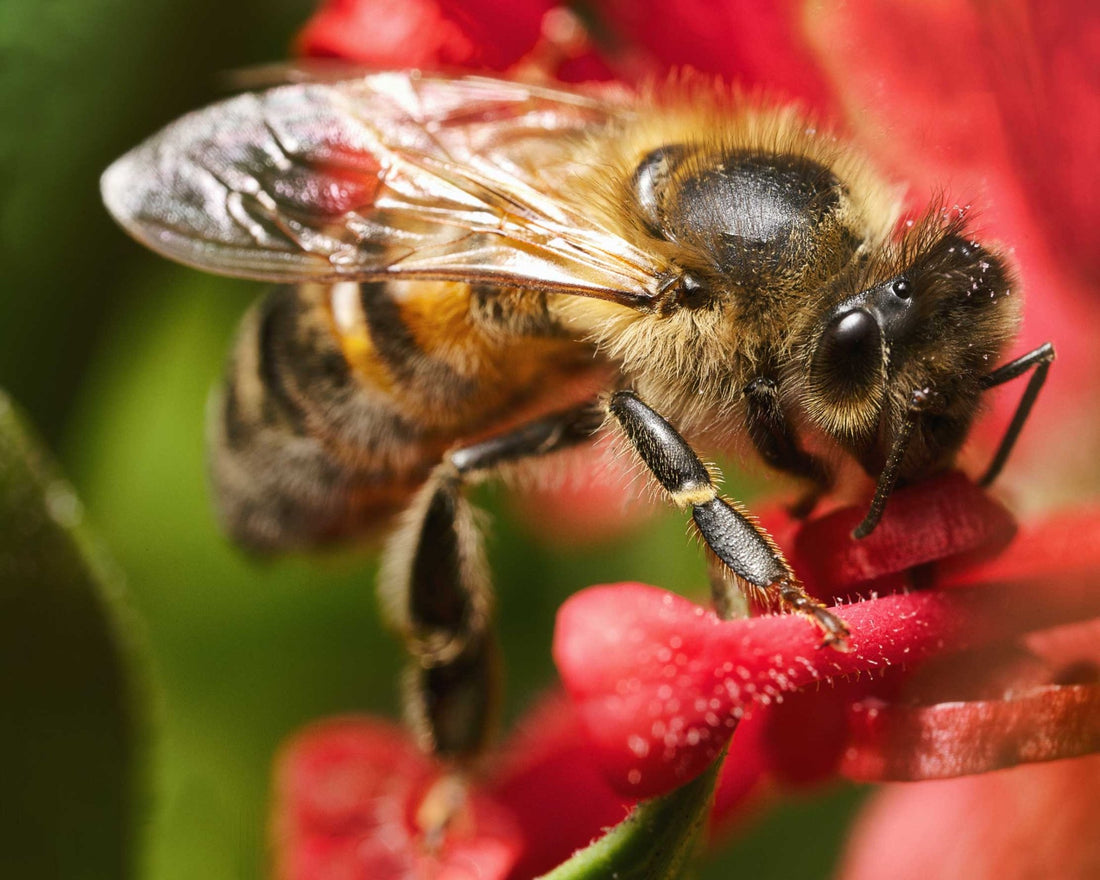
(389, 174)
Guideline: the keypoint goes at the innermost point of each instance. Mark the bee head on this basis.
(929, 313)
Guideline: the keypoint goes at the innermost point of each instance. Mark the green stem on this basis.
(655, 842)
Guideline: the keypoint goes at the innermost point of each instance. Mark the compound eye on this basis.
(849, 354)
(854, 334)
(650, 181)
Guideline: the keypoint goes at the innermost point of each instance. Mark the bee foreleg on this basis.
(738, 541)
(1040, 359)
(776, 442)
(439, 590)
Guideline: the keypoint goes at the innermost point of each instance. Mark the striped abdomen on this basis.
(339, 400)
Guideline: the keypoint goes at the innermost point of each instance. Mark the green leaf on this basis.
(69, 725)
(655, 842)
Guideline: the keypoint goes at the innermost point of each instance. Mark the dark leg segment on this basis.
(737, 541)
(437, 573)
(440, 592)
(775, 440)
(1041, 359)
(926, 401)
(550, 434)
(919, 402)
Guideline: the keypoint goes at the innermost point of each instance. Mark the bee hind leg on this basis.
(436, 588)
(438, 591)
(743, 547)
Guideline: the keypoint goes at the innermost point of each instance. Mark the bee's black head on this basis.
(932, 312)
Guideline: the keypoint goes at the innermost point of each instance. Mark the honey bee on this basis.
(474, 273)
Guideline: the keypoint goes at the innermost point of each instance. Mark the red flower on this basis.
(1034, 821)
(972, 672)
(657, 681)
(424, 33)
(355, 798)
(962, 676)
(452, 35)
(551, 783)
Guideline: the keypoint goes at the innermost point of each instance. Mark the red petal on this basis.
(1030, 822)
(935, 519)
(1071, 652)
(803, 738)
(331, 779)
(385, 33)
(741, 782)
(554, 789)
(657, 680)
(890, 742)
(1053, 105)
(1064, 546)
(429, 34)
(758, 45)
(347, 794)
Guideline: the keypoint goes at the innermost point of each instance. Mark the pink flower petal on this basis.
(553, 787)
(1029, 822)
(936, 519)
(347, 795)
(658, 681)
(898, 742)
(1063, 546)
(431, 34)
(757, 45)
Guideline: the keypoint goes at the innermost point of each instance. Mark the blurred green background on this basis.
(112, 352)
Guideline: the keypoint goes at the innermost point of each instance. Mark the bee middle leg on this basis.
(744, 548)
(439, 591)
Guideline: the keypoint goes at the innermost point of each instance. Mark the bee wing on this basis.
(388, 175)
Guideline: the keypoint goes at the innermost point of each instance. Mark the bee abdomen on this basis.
(302, 451)
(340, 399)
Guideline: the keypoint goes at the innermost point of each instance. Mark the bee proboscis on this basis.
(474, 273)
